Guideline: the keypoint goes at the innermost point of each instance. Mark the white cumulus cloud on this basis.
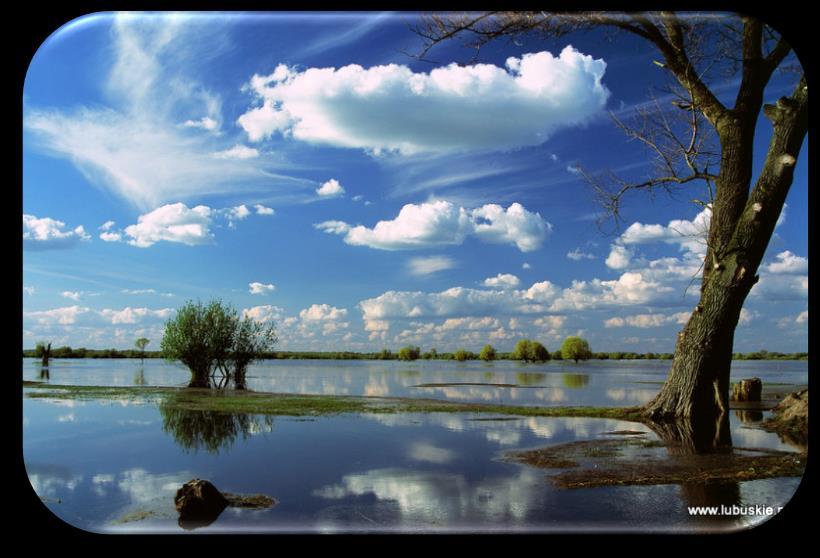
(321, 312)
(172, 223)
(260, 288)
(264, 313)
(502, 280)
(330, 189)
(442, 223)
(47, 234)
(393, 108)
(788, 262)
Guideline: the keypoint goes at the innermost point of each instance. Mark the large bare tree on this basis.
(698, 142)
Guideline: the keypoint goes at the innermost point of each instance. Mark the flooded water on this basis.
(96, 464)
(556, 383)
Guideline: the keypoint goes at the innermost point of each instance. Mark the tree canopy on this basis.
(530, 351)
(575, 348)
(213, 337)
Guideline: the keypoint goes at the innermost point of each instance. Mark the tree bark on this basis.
(698, 383)
(200, 379)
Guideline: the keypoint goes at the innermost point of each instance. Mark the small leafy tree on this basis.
(575, 348)
(385, 354)
(409, 353)
(539, 352)
(251, 339)
(487, 353)
(461, 355)
(521, 350)
(212, 337)
(140, 344)
(530, 351)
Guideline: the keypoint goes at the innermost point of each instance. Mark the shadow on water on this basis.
(209, 430)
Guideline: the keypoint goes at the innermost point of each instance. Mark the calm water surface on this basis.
(95, 462)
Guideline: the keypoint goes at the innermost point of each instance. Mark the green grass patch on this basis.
(252, 402)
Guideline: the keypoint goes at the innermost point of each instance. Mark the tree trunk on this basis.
(199, 379)
(698, 384)
(697, 388)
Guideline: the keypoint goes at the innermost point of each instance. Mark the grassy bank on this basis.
(230, 401)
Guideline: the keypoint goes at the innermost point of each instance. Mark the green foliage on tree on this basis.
(140, 344)
(487, 353)
(409, 353)
(530, 351)
(575, 348)
(385, 354)
(213, 337)
(462, 354)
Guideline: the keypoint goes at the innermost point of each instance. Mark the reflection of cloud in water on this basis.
(632, 396)
(48, 480)
(444, 497)
(503, 437)
(330, 388)
(377, 386)
(423, 451)
(134, 422)
(70, 417)
(70, 403)
(102, 483)
(259, 427)
(143, 487)
(758, 438)
(541, 427)
(553, 395)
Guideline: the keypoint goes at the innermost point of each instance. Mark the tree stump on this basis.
(748, 389)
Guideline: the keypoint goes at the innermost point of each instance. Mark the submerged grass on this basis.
(595, 463)
(252, 402)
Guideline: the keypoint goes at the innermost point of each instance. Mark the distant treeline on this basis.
(82, 352)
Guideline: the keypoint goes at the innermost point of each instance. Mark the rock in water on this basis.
(749, 389)
(199, 503)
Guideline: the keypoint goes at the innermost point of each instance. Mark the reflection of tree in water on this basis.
(712, 494)
(529, 378)
(211, 430)
(575, 381)
(691, 437)
(139, 377)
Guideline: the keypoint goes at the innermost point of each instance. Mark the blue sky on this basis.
(308, 171)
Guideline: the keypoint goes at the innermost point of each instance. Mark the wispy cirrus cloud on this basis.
(160, 136)
(430, 265)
